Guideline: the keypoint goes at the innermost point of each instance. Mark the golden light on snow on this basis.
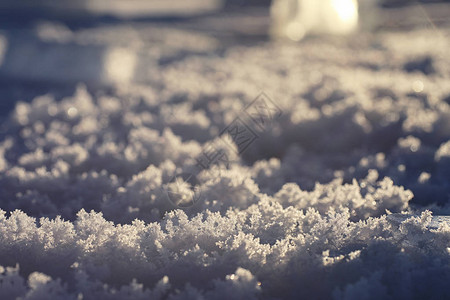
(72, 112)
(340, 16)
(52, 110)
(418, 86)
(119, 65)
(295, 31)
(347, 10)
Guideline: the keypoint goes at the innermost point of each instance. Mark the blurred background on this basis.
(49, 46)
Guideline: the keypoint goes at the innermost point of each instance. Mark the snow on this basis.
(336, 197)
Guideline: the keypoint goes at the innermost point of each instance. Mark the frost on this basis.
(336, 199)
(272, 249)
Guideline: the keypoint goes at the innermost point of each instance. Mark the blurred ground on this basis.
(49, 50)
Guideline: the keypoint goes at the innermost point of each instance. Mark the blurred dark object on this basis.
(424, 65)
(244, 3)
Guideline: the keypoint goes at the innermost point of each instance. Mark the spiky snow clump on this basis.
(302, 213)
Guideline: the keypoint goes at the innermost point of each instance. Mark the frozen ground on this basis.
(358, 130)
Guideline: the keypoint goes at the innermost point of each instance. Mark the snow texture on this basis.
(302, 213)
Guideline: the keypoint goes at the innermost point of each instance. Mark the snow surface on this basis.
(303, 212)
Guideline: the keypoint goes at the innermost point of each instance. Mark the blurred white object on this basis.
(35, 60)
(293, 19)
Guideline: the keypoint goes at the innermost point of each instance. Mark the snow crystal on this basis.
(335, 199)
